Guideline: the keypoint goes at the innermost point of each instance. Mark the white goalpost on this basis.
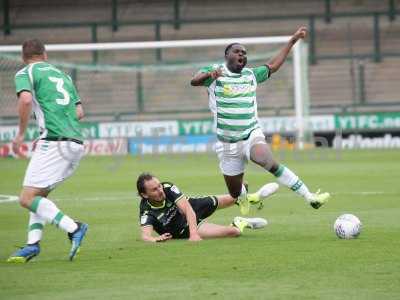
(299, 59)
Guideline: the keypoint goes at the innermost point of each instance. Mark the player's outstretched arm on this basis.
(147, 232)
(186, 209)
(24, 112)
(201, 77)
(279, 59)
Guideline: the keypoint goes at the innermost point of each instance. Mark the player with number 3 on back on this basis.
(52, 96)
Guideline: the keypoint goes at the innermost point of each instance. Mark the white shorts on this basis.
(233, 157)
(52, 162)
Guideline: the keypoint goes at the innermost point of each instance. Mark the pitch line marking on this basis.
(129, 196)
(8, 198)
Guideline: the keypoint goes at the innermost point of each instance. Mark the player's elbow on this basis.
(25, 101)
(25, 98)
(79, 112)
(273, 68)
(194, 82)
(80, 115)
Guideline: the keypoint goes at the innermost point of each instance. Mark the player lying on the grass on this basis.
(57, 108)
(168, 212)
(232, 97)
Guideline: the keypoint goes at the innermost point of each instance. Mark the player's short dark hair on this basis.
(32, 47)
(229, 47)
(145, 176)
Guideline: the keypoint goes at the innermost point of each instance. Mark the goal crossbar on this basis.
(153, 44)
(299, 81)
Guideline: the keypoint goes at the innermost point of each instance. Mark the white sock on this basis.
(243, 194)
(286, 177)
(49, 212)
(35, 229)
(268, 189)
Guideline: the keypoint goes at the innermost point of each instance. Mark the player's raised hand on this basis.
(164, 237)
(301, 33)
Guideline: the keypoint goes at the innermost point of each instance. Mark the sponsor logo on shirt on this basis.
(237, 89)
(175, 189)
(171, 214)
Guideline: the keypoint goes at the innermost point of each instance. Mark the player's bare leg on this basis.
(264, 192)
(210, 230)
(44, 211)
(35, 200)
(225, 201)
(238, 191)
(29, 193)
(262, 156)
(234, 184)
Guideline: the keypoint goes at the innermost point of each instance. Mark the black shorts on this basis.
(203, 207)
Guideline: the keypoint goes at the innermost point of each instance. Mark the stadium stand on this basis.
(334, 83)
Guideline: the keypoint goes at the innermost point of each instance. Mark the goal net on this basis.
(151, 80)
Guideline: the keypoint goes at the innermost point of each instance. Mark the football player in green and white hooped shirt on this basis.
(52, 96)
(232, 99)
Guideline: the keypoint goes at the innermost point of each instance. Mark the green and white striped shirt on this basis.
(232, 99)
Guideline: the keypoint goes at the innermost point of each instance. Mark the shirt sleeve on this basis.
(75, 96)
(22, 82)
(207, 69)
(146, 220)
(172, 192)
(74, 93)
(261, 73)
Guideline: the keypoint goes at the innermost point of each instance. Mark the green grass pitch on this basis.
(297, 256)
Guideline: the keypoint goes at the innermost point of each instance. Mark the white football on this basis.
(347, 226)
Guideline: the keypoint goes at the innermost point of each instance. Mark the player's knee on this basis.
(25, 200)
(261, 161)
(258, 154)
